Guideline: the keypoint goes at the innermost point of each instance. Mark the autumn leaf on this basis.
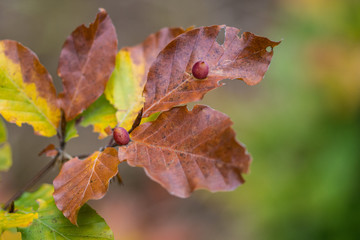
(170, 81)
(100, 114)
(8, 235)
(82, 180)
(51, 223)
(125, 87)
(187, 150)
(49, 151)
(13, 220)
(27, 93)
(86, 62)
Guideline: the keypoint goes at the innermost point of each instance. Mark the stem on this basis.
(32, 182)
(63, 130)
(137, 121)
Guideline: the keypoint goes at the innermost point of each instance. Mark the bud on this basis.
(121, 136)
(200, 70)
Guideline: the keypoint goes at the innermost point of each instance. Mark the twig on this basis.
(33, 181)
(137, 121)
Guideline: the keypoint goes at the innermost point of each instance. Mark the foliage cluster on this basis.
(144, 89)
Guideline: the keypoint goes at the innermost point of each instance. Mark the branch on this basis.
(33, 181)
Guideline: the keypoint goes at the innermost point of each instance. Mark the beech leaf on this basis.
(187, 150)
(27, 92)
(86, 62)
(14, 220)
(170, 81)
(82, 180)
(100, 114)
(70, 130)
(49, 151)
(8, 235)
(5, 149)
(51, 223)
(125, 87)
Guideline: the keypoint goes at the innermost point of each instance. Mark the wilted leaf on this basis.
(82, 180)
(8, 235)
(49, 151)
(86, 62)
(13, 220)
(51, 224)
(70, 130)
(170, 81)
(187, 150)
(100, 114)
(27, 94)
(125, 87)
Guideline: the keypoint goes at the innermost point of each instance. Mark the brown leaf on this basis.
(187, 150)
(82, 180)
(86, 62)
(170, 81)
(49, 151)
(146, 52)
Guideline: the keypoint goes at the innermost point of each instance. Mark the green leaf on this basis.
(5, 157)
(70, 130)
(126, 84)
(124, 88)
(151, 118)
(51, 223)
(5, 150)
(101, 114)
(3, 132)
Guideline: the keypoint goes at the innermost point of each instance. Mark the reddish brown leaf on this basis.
(170, 81)
(86, 62)
(187, 150)
(146, 52)
(82, 180)
(49, 151)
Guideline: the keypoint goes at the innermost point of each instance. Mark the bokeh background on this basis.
(301, 123)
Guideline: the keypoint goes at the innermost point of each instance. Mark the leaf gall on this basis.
(200, 70)
(121, 136)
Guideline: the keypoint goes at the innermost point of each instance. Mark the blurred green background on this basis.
(301, 123)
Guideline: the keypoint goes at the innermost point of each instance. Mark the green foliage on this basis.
(5, 150)
(100, 114)
(51, 223)
(70, 130)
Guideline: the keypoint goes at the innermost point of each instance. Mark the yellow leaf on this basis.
(7, 235)
(125, 87)
(13, 220)
(27, 94)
